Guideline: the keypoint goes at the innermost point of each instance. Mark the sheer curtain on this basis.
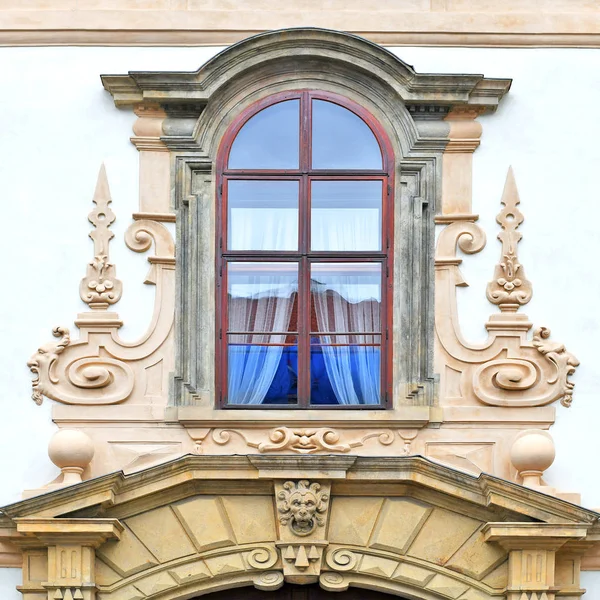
(253, 367)
(345, 304)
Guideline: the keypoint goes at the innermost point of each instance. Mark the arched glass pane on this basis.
(269, 140)
(341, 140)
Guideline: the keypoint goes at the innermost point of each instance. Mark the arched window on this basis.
(304, 239)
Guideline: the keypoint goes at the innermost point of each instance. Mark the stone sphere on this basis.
(533, 450)
(71, 448)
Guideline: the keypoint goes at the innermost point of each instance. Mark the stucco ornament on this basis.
(100, 287)
(100, 368)
(43, 362)
(508, 369)
(301, 505)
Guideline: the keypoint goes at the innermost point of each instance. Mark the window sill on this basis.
(407, 416)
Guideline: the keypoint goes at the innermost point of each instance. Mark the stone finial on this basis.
(71, 451)
(509, 289)
(100, 287)
(531, 454)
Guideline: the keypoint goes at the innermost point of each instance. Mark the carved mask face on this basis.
(303, 505)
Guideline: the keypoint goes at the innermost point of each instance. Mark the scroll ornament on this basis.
(98, 369)
(303, 440)
(508, 369)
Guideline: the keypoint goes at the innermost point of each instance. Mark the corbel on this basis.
(70, 546)
(532, 550)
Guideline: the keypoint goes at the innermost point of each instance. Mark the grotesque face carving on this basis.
(40, 364)
(301, 505)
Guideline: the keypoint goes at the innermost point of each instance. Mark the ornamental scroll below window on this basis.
(303, 251)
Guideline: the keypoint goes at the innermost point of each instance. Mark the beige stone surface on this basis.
(337, 540)
(408, 22)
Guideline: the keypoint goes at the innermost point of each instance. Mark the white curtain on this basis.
(347, 303)
(268, 308)
(263, 229)
(346, 229)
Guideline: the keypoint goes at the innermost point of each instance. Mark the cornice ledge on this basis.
(196, 87)
(88, 532)
(302, 467)
(551, 536)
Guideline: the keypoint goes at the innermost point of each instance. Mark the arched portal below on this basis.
(296, 592)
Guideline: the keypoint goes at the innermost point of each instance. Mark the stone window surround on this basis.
(412, 108)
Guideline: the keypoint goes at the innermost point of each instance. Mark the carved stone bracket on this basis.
(303, 512)
(508, 369)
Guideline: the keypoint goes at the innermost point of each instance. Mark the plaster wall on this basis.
(58, 125)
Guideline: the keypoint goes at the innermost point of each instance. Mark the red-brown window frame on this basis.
(304, 256)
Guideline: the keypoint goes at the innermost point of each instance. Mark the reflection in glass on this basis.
(346, 215)
(342, 140)
(345, 374)
(269, 140)
(262, 215)
(260, 299)
(346, 307)
(262, 374)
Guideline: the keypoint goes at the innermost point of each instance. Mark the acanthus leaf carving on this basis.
(100, 287)
(510, 288)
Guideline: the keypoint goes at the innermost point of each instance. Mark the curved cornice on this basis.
(305, 44)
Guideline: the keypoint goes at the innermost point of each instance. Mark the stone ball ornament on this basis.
(531, 454)
(71, 451)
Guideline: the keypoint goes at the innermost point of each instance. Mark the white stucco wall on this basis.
(58, 125)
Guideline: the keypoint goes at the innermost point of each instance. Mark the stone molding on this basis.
(402, 525)
(558, 23)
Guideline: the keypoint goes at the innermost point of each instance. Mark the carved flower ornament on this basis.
(301, 505)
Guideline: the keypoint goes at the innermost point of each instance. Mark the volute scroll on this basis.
(508, 369)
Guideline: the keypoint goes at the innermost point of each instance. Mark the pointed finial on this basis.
(510, 289)
(100, 287)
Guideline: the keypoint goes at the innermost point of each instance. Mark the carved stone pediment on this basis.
(405, 525)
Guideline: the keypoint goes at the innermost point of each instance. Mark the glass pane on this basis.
(262, 374)
(346, 215)
(262, 366)
(262, 215)
(348, 375)
(342, 140)
(261, 297)
(269, 140)
(346, 298)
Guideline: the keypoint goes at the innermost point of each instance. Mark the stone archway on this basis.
(297, 592)
(398, 526)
